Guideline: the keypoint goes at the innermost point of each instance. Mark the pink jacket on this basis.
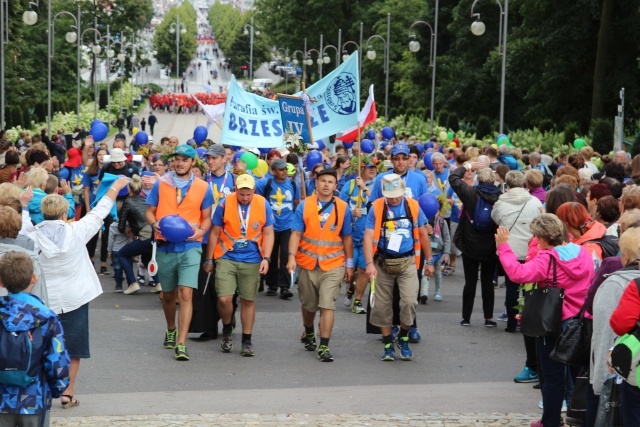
(574, 272)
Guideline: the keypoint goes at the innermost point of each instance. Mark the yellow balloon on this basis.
(134, 131)
(453, 145)
(262, 169)
(495, 146)
(443, 136)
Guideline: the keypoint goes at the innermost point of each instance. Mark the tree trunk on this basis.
(602, 54)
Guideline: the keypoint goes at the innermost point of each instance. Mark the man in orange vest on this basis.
(321, 245)
(240, 242)
(395, 231)
(179, 192)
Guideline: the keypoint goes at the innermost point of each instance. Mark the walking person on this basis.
(322, 247)
(153, 120)
(179, 192)
(240, 243)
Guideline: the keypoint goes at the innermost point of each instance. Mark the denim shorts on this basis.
(75, 325)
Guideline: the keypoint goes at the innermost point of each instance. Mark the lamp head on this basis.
(183, 31)
(71, 37)
(371, 54)
(246, 32)
(30, 17)
(287, 59)
(414, 46)
(132, 58)
(295, 61)
(309, 61)
(122, 57)
(96, 49)
(478, 28)
(345, 57)
(257, 32)
(111, 53)
(326, 59)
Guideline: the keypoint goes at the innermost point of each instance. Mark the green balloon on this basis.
(249, 159)
(579, 143)
(504, 140)
(450, 135)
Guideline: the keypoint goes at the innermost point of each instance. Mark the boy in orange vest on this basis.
(321, 245)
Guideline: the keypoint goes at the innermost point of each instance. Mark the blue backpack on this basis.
(19, 357)
(482, 221)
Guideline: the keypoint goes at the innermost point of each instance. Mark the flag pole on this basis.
(303, 190)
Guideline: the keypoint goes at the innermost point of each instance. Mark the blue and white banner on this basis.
(253, 121)
(294, 117)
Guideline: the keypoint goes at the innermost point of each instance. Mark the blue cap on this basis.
(400, 148)
(185, 150)
(369, 165)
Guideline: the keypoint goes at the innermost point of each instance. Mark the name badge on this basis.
(241, 244)
(394, 243)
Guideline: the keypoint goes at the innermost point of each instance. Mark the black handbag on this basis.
(610, 404)
(573, 346)
(542, 312)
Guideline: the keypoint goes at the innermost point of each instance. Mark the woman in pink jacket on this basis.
(574, 273)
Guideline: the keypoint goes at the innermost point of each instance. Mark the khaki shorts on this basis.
(408, 285)
(319, 289)
(241, 276)
(178, 268)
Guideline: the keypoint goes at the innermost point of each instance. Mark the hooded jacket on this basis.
(574, 272)
(515, 210)
(61, 247)
(25, 312)
(467, 239)
(595, 230)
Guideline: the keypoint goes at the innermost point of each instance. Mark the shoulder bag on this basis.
(542, 312)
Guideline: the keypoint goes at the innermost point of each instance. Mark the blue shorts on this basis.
(75, 325)
(358, 256)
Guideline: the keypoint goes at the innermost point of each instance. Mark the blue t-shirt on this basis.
(416, 185)
(298, 219)
(251, 252)
(281, 198)
(92, 182)
(220, 187)
(152, 200)
(442, 179)
(401, 227)
(351, 198)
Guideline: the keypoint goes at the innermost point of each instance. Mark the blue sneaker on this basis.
(388, 355)
(394, 332)
(414, 335)
(503, 317)
(405, 351)
(526, 376)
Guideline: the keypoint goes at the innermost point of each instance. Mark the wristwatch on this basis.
(267, 259)
(429, 261)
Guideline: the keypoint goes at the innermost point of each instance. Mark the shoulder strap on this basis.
(294, 185)
(352, 185)
(267, 188)
(637, 282)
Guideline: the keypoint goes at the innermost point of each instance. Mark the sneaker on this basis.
(414, 335)
(495, 285)
(405, 351)
(348, 299)
(227, 343)
(490, 324)
(465, 322)
(358, 308)
(389, 354)
(134, 287)
(247, 349)
(310, 343)
(526, 376)
(141, 280)
(503, 317)
(438, 297)
(424, 299)
(271, 292)
(157, 288)
(394, 332)
(324, 355)
(285, 293)
(563, 409)
(170, 338)
(104, 271)
(181, 352)
(117, 289)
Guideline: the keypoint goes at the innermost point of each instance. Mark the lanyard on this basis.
(216, 197)
(179, 196)
(244, 220)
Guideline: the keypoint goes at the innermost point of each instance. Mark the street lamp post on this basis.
(478, 28)
(122, 57)
(286, 60)
(296, 62)
(249, 30)
(371, 55)
(414, 46)
(325, 57)
(309, 61)
(177, 28)
(96, 49)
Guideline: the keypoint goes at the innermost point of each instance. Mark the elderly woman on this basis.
(606, 300)
(38, 181)
(571, 265)
(477, 247)
(71, 280)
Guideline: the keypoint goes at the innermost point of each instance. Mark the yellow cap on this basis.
(245, 181)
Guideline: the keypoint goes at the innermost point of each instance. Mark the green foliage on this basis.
(483, 127)
(571, 131)
(452, 122)
(546, 125)
(166, 42)
(443, 117)
(602, 134)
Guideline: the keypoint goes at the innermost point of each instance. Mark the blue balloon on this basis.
(201, 151)
(502, 135)
(200, 134)
(440, 149)
(348, 145)
(174, 228)
(93, 123)
(387, 133)
(420, 147)
(99, 131)
(428, 145)
(367, 146)
(320, 144)
(264, 150)
(237, 156)
(429, 205)
(141, 137)
(64, 173)
(427, 160)
(313, 158)
(383, 144)
(371, 134)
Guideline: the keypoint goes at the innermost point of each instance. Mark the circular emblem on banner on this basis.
(341, 94)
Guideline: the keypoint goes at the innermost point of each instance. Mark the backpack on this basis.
(267, 188)
(482, 221)
(19, 357)
(546, 176)
(625, 355)
(609, 244)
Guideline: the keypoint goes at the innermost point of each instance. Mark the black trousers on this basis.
(471, 266)
(93, 243)
(277, 276)
(205, 316)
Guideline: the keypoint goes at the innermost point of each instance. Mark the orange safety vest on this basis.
(318, 244)
(231, 230)
(378, 210)
(189, 208)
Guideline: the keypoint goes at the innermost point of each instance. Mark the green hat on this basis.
(185, 150)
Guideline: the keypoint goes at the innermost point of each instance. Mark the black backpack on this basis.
(609, 244)
(20, 354)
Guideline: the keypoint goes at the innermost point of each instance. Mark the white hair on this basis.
(484, 159)
(438, 156)
(503, 149)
